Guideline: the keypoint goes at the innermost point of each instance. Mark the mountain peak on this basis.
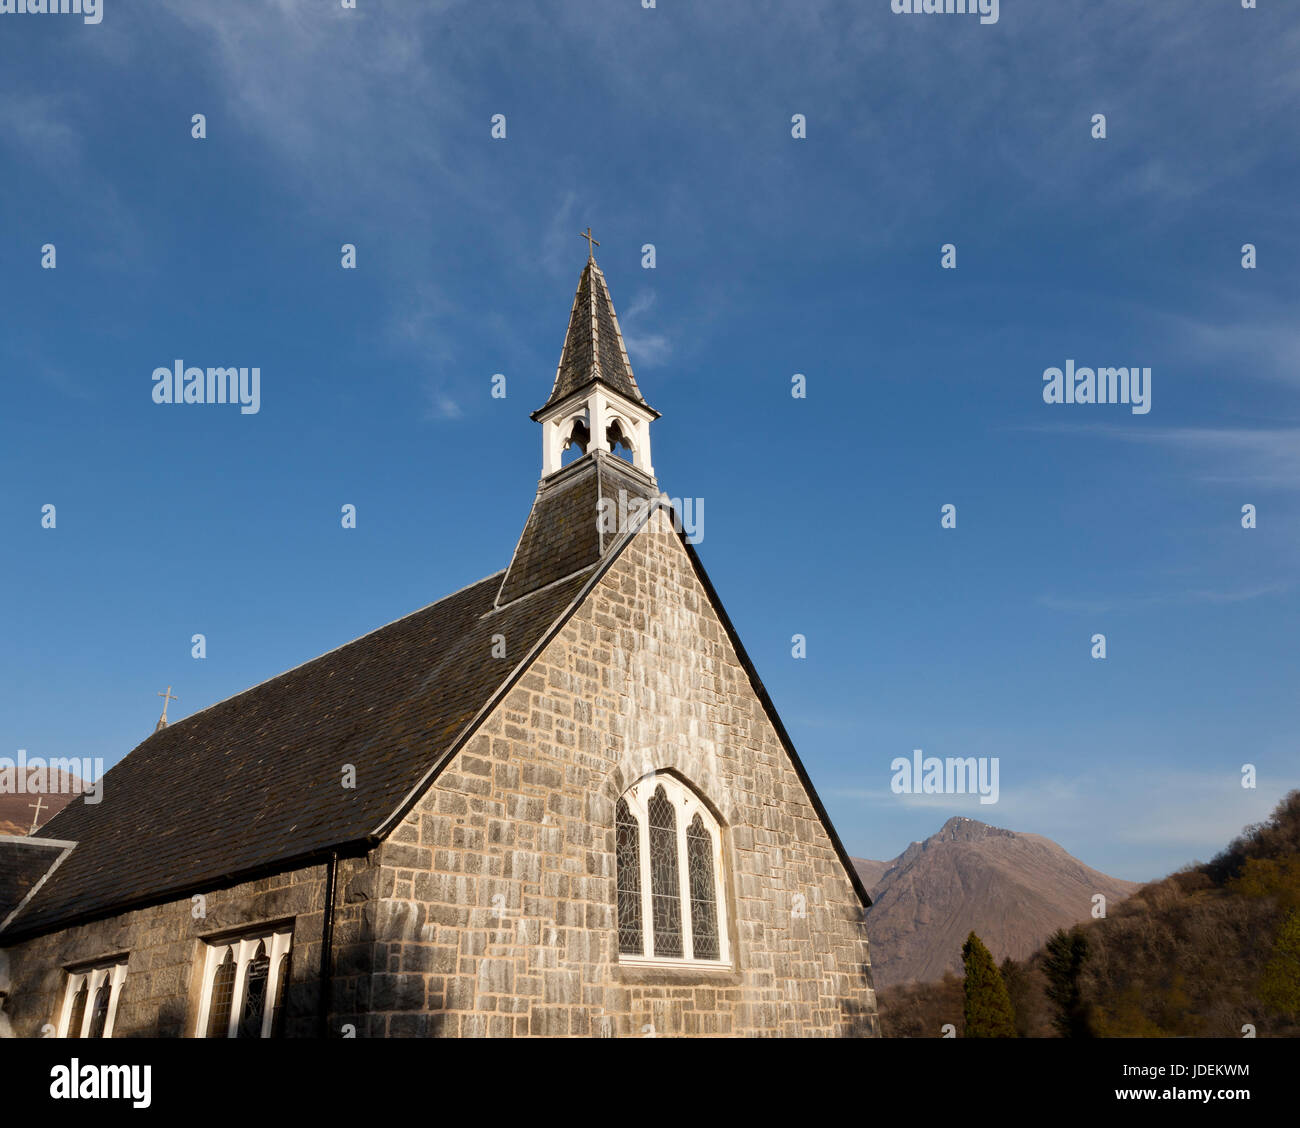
(1013, 889)
(961, 829)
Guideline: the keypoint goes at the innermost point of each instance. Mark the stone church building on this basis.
(558, 802)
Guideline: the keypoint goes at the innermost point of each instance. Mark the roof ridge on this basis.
(590, 274)
(325, 654)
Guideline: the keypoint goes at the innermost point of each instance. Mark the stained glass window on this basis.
(255, 981)
(243, 979)
(99, 1016)
(90, 1000)
(78, 1009)
(628, 851)
(665, 890)
(223, 989)
(669, 887)
(281, 987)
(704, 903)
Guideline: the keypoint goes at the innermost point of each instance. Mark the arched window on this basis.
(223, 991)
(78, 1010)
(90, 1000)
(99, 1016)
(668, 849)
(704, 889)
(244, 982)
(629, 881)
(277, 1015)
(259, 969)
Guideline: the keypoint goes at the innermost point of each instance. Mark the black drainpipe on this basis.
(327, 948)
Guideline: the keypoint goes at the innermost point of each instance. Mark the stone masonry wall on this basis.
(497, 914)
(160, 996)
(490, 910)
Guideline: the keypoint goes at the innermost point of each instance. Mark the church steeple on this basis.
(594, 402)
(596, 405)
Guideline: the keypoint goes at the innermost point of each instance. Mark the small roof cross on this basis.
(168, 698)
(590, 241)
(36, 818)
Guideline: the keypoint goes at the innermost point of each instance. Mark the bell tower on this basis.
(595, 403)
(596, 407)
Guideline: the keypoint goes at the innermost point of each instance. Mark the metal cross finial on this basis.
(167, 697)
(36, 818)
(590, 241)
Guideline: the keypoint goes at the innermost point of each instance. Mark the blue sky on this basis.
(820, 256)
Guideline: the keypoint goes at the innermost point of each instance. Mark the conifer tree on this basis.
(1066, 953)
(988, 1007)
(1021, 994)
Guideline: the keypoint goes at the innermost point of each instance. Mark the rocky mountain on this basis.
(1013, 889)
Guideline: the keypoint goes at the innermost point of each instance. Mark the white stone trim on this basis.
(668, 964)
(686, 805)
(93, 978)
(243, 949)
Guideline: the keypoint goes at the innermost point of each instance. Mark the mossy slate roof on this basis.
(23, 862)
(568, 529)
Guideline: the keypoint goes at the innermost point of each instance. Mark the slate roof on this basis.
(23, 862)
(254, 782)
(593, 347)
(564, 532)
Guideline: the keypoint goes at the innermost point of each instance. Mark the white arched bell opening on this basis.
(576, 439)
(597, 412)
(618, 433)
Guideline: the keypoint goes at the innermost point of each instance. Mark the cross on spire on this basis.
(590, 241)
(167, 697)
(36, 818)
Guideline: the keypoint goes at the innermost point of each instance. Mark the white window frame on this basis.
(686, 805)
(93, 977)
(244, 948)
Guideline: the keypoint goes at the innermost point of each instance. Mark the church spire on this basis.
(595, 401)
(593, 347)
(596, 406)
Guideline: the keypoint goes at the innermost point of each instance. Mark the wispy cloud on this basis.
(557, 239)
(42, 132)
(442, 406)
(1255, 344)
(1262, 456)
(297, 76)
(647, 348)
(1187, 596)
(39, 129)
